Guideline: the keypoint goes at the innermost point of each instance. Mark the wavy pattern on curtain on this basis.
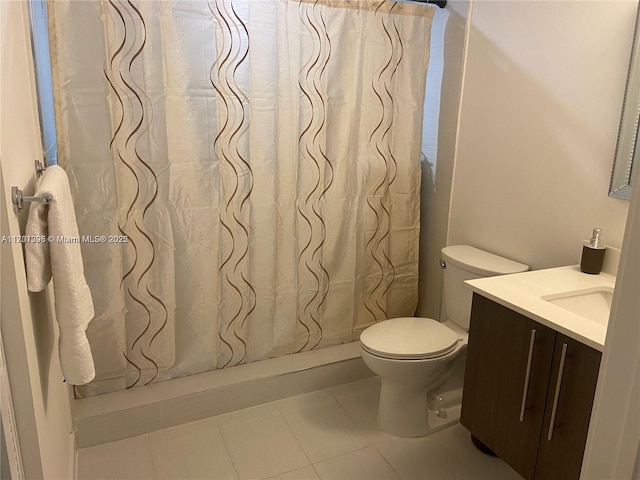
(237, 181)
(127, 42)
(262, 159)
(378, 201)
(312, 153)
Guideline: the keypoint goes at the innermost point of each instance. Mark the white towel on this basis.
(62, 260)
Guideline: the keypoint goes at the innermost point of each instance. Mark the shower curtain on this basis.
(248, 172)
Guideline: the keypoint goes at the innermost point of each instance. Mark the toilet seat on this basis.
(409, 338)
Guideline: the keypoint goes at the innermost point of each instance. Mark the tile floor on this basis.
(330, 434)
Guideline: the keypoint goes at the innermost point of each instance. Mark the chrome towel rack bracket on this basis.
(40, 168)
(18, 199)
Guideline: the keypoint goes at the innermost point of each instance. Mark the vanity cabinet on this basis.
(528, 392)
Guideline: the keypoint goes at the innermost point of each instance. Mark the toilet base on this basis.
(403, 411)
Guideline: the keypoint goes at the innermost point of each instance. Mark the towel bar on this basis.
(18, 199)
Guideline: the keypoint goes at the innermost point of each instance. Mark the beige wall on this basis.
(40, 398)
(438, 147)
(542, 93)
(613, 444)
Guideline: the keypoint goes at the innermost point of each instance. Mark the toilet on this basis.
(415, 356)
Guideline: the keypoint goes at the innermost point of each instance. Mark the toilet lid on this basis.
(408, 338)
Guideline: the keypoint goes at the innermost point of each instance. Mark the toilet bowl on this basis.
(414, 356)
(409, 367)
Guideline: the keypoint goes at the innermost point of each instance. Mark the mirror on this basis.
(627, 149)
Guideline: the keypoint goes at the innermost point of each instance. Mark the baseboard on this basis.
(74, 460)
(115, 416)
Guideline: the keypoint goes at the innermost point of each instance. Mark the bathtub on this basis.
(123, 414)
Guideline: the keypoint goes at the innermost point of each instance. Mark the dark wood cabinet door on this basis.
(508, 363)
(572, 387)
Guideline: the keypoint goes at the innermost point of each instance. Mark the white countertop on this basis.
(521, 292)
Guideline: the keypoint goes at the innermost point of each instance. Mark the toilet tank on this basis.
(464, 262)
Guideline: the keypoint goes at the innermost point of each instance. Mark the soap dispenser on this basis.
(593, 254)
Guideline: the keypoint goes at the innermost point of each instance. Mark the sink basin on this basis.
(592, 303)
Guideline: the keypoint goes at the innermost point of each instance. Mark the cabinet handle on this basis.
(556, 397)
(525, 391)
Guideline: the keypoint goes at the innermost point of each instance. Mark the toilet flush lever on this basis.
(443, 264)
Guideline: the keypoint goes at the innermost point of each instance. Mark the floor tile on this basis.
(304, 473)
(191, 451)
(334, 429)
(260, 443)
(423, 458)
(360, 400)
(322, 426)
(128, 459)
(430, 458)
(483, 466)
(365, 464)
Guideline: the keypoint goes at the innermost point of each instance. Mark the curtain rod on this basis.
(439, 3)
